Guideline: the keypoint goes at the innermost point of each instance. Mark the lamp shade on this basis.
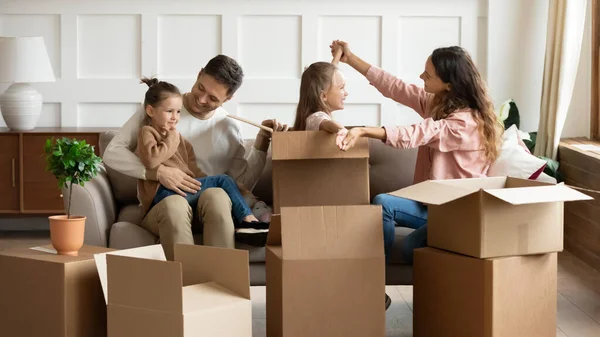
(24, 59)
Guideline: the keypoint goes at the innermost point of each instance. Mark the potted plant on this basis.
(71, 162)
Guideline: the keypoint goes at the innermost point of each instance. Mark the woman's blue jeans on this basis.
(406, 213)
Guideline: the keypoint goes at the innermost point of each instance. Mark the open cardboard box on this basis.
(493, 217)
(204, 292)
(326, 272)
(310, 170)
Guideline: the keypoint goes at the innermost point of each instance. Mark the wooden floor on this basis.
(578, 298)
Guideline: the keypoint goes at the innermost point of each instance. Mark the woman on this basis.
(459, 136)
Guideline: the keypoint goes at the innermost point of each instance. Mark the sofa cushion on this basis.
(124, 187)
(396, 252)
(130, 213)
(390, 169)
(125, 235)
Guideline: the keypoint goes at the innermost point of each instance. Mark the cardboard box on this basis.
(492, 217)
(310, 170)
(326, 272)
(457, 295)
(50, 295)
(204, 292)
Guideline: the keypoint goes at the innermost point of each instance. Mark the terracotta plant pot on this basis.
(66, 234)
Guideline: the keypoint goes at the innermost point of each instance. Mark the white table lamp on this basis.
(23, 60)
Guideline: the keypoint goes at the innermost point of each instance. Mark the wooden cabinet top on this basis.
(60, 130)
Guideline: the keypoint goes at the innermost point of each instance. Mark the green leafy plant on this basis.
(71, 162)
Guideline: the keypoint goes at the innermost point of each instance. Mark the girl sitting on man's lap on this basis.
(159, 143)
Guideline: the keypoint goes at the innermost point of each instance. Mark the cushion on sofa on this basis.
(125, 235)
(515, 160)
(130, 213)
(124, 187)
(390, 169)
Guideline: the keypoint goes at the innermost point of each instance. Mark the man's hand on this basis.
(177, 181)
(273, 124)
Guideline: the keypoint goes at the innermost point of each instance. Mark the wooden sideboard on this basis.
(25, 186)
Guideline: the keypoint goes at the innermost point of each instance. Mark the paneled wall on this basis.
(100, 49)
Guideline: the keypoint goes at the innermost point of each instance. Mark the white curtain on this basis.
(566, 20)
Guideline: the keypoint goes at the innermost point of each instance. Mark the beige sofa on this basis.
(109, 202)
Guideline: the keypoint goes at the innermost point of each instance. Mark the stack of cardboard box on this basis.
(490, 268)
(324, 256)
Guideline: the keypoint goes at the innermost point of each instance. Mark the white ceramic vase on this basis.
(21, 105)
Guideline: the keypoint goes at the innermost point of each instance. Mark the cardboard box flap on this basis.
(143, 283)
(433, 192)
(207, 296)
(47, 253)
(520, 182)
(314, 145)
(154, 252)
(274, 236)
(537, 194)
(321, 232)
(227, 267)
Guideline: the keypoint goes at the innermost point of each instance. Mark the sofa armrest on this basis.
(96, 202)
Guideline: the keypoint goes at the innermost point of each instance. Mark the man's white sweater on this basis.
(218, 144)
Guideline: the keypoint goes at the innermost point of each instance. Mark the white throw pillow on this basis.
(515, 160)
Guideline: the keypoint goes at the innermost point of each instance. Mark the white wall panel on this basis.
(50, 115)
(482, 31)
(108, 46)
(285, 113)
(516, 52)
(270, 46)
(359, 115)
(402, 115)
(105, 114)
(363, 33)
(102, 48)
(180, 55)
(419, 36)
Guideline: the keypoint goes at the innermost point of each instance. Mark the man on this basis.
(218, 146)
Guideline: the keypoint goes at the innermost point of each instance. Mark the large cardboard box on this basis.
(50, 295)
(310, 170)
(457, 295)
(492, 217)
(204, 292)
(325, 272)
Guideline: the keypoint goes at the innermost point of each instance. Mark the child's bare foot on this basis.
(250, 218)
